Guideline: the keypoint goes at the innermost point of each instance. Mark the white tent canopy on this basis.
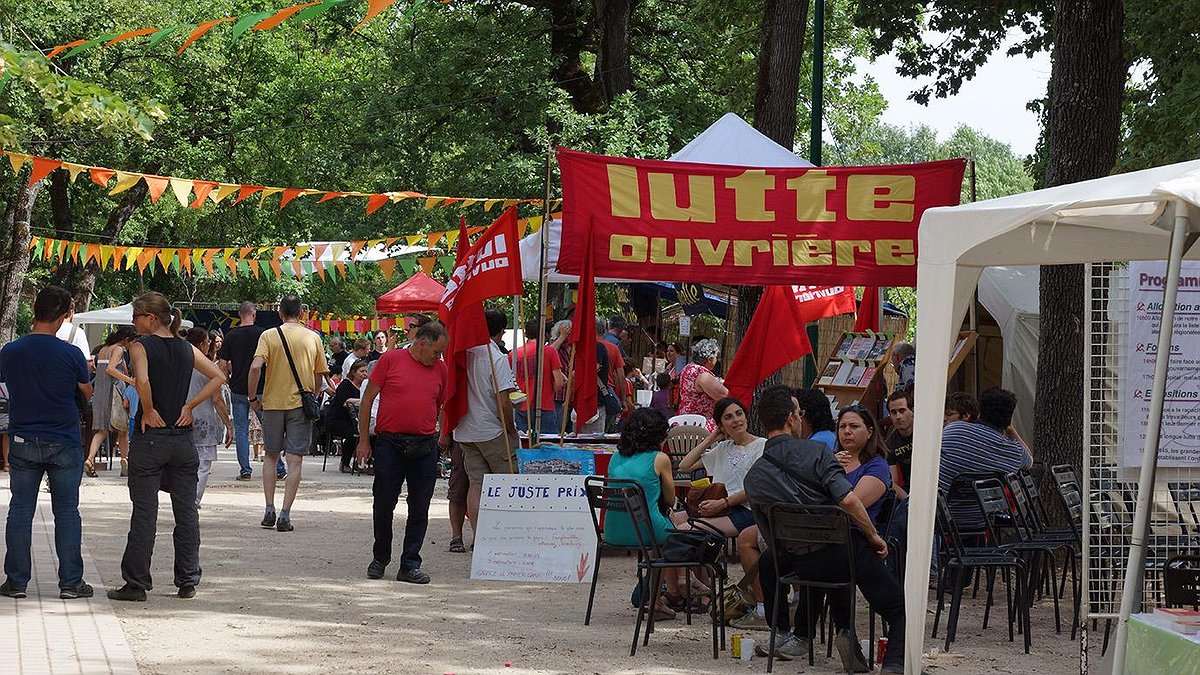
(729, 141)
(93, 322)
(1123, 217)
(1010, 295)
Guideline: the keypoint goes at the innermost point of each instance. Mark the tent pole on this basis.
(1134, 569)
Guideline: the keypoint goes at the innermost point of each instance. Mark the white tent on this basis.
(729, 141)
(93, 322)
(1134, 216)
(1010, 295)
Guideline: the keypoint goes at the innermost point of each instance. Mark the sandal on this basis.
(456, 546)
(661, 613)
(679, 603)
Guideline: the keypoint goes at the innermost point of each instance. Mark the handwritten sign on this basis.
(534, 528)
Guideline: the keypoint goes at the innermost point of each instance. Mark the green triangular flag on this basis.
(316, 10)
(175, 263)
(306, 267)
(162, 35)
(37, 247)
(447, 262)
(243, 268)
(245, 22)
(408, 265)
(266, 268)
(331, 270)
(89, 44)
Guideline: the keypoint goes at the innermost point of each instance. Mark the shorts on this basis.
(741, 517)
(456, 489)
(286, 431)
(489, 457)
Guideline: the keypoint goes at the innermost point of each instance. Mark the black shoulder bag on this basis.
(702, 544)
(308, 400)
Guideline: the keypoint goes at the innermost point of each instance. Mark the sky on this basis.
(993, 102)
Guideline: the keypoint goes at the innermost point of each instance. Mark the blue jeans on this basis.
(400, 458)
(241, 433)
(28, 460)
(549, 421)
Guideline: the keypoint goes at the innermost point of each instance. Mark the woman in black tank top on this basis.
(161, 453)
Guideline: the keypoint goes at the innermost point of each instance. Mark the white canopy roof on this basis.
(93, 322)
(730, 141)
(1123, 217)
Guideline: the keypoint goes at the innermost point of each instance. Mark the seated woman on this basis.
(340, 421)
(639, 458)
(862, 453)
(727, 454)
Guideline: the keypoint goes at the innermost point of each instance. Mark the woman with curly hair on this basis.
(816, 418)
(699, 389)
(639, 458)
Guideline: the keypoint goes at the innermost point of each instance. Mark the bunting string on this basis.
(349, 325)
(195, 193)
(258, 21)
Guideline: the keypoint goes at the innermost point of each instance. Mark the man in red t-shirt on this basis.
(616, 378)
(524, 362)
(411, 385)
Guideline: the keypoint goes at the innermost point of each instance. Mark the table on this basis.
(1155, 648)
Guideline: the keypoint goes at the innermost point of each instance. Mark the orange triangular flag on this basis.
(243, 252)
(427, 264)
(90, 252)
(202, 188)
(245, 191)
(319, 268)
(42, 167)
(434, 238)
(288, 195)
(231, 263)
(319, 250)
(274, 263)
(331, 195)
(118, 256)
(297, 269)
(387, 266)
(355, 247)
(341, 268)
(131, 34)
(374, 7)
(62, 48)
(185, 259)
(208, 259)
(201, 30)
(101, 176)
(144, 258)
(156, 185)
(374, 202)
(254, 269)
(281, 16)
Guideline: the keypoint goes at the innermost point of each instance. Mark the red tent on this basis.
(419, 293)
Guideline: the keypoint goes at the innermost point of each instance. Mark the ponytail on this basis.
(176, 320)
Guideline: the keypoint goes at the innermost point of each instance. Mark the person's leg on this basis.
(385, 492)
(296, 441)
(456, 493)
(146, 459)
(521, 419)
(748, 556)
(476, 466)
(24, 479)
(65, 471)
(273, 430)
(349, 444)
(97, 440)
(884, 595)
(421, 474)
(183, 465)
(203, 472)
(767, 576)
(240, 412)
(4, 448)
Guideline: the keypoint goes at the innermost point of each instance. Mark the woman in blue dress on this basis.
(640, 458)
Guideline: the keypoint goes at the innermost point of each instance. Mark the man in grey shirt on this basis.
(796, 471)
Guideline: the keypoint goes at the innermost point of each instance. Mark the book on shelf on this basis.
(861, 347)
(829, 373)
(879, 348)
(843, 347)
(864, 378)
(843, 373)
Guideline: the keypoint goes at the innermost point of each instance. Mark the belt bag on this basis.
(308, 400)
(411, 446)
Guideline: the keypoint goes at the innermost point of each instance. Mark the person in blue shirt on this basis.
(42, 374)
(616, 325)
(861, 452)
(816, 418)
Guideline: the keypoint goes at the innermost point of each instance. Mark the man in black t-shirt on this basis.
(899, 441)
(236, 354)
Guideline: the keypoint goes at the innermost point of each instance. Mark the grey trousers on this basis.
(162, 459)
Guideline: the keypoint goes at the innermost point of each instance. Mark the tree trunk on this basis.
(1083, 124)
(15, 262)
(780, 49)
(568, 37)
(614, 73)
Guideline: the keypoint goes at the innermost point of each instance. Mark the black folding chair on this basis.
(1181, 581)
(595, 488)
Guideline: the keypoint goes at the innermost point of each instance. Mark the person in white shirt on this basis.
(73, 334)
(727, 454)
(361, 347)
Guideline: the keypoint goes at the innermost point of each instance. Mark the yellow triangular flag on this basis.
(125, 180)
(17, 161)
(469, 202)
(223, 190)
(262, 198)
(451, 237)
(106, 254)
(74, 170)
(432, 202)
(131, 256)
(535, 223)
(183, 190)
(301, 250)
(487, 206)
(414, 239)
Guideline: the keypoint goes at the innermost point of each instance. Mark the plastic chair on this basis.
(688, 420)
(794, 530)
(680, 441)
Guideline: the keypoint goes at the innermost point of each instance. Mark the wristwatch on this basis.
(251, 399)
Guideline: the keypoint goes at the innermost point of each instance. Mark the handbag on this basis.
(118, 412)
(702, 544)
(612, 404)
(308, 400)
(696, 495)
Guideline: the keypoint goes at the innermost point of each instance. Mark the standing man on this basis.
(338, 355)
(362, 347)
(615, 379)
(524, 362)
(293, 359)
(904, 360)
(899, 440)
(487, 432)
(616, 326)
(237, 351)
(42, 374)
(411, 386)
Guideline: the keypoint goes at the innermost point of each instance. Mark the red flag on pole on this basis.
(489, 269)
(818, 302)
(868, 311)
(774, 339)
(583, 336)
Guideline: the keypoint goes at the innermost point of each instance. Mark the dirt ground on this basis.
(300, 602)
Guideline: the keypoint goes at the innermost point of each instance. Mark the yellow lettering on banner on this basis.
(664, 202)
(623, 191)
(848, 247)
(750, 195)
(812, 252)
(895, 252)
(627, 248)
(710, 253)
(659, 255)
(744, 249)
(865, 193)
(811, 191)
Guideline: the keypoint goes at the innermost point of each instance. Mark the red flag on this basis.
(818, 302)
(489, 269)
(583, 336)
(774, 339)
(868, 311)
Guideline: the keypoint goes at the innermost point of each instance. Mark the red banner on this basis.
(675, 221)
(818, 302)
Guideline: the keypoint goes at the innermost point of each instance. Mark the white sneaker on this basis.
(787, 647)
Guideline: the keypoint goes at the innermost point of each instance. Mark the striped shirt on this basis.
(974, 446)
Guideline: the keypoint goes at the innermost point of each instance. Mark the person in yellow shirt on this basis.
(286, 430)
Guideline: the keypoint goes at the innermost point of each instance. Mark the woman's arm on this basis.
(137, 359)
(692, 460)
(710, 385)
(212, 388)
(662, 467)
(113, 359)
(868, 490)
(901, 493)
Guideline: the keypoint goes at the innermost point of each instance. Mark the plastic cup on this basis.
(747, 648)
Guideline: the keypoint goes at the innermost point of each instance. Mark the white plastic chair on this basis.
(687, 421)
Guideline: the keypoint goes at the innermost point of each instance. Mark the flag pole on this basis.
(567, 400)
(535, 425)
(499, 412)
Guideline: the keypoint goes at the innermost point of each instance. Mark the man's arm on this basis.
(253, 377)
(363, 453)
(854, 508)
